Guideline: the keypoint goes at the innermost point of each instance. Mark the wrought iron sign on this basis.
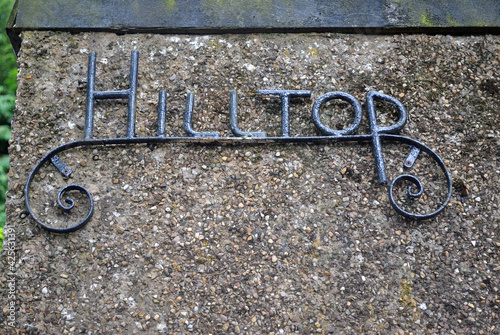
(378, 134)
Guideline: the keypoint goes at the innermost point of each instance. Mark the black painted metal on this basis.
(376, 130)
(412, 157)
(129, 94)
(59, 164)
(377, 136)
(285, 96)
(233, 118)
(188, 119)
(358, 113)
(162, 111)
(71, 204)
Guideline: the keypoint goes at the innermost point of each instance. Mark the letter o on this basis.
(358, 113)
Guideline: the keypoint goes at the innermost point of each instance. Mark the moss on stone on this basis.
(425, 20)
(170, 6)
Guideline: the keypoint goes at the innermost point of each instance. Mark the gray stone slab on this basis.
(245, 16)
(254, 15)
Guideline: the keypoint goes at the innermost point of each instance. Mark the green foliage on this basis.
(7, 102)
(4, 133)
(4, 168)
(1, 236)
(8, 86)
(8, 70)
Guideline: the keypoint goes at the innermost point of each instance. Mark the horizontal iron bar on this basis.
(228, 140)
(111, 94)
(242, 141)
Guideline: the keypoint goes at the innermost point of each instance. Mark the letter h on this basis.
(129, 94)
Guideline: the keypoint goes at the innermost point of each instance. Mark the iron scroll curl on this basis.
(69, 201)
(378, 135)
(416, 181)
(413, 192)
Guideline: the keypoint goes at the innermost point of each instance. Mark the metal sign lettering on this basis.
(378, 134)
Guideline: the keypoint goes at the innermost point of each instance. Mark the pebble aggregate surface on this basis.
(255, 239)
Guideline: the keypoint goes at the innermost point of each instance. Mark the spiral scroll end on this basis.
(67, 205)
(414, 192)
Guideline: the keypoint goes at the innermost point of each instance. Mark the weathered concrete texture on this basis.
(256, 239)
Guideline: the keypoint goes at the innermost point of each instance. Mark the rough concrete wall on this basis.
(255, 238)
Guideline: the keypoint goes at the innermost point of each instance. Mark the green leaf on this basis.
(4, 164)
(8, 86)
(5, 133)
(1, 237)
